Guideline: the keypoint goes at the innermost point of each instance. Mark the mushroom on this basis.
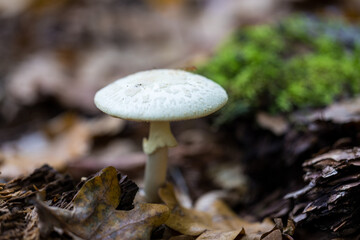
(160, 96)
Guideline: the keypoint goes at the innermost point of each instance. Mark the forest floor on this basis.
(258, 176)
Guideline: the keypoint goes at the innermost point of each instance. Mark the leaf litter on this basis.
(210, 219)
(325, 146)
(333, 172)
(326, 170)
(94, 215)
(101, 207)
(329, 199)
(18, 220)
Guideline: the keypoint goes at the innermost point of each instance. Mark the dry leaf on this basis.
(274, 235)
(94, 214)
(220, 235)
(184, 220)
(224, 218)
(210, 219)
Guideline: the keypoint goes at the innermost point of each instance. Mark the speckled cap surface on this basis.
(161, 95)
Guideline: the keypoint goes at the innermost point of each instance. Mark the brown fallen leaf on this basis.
(280, 232)
(94, 214)
(274, 235)
(210, 219)
(18, 216)
(184, 220)
(225, 218)
(220, 235)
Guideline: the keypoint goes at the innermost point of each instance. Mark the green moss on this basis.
(298, 63)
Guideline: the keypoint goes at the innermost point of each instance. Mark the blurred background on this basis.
(274, 57)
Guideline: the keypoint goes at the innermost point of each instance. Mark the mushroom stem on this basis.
(156, 147)
(155, 173)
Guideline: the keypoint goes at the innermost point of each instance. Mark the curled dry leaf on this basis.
(210, 219)
(94, 214)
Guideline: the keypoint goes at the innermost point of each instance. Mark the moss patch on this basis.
(298, 63)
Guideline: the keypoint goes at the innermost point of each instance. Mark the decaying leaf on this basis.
(210, 219)
(94, 215)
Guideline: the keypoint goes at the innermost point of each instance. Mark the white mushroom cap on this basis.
(161, 95)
